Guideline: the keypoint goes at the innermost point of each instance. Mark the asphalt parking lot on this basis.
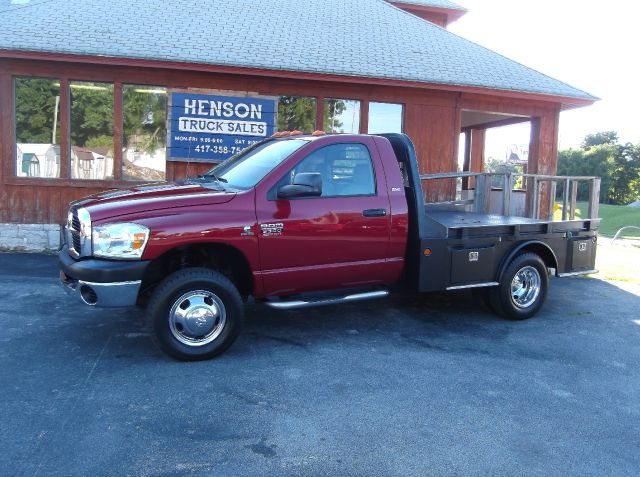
(409, 386)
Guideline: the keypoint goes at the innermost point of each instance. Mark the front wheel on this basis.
(522, 289)
(195, 314)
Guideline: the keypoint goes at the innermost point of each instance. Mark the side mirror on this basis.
(306, 184)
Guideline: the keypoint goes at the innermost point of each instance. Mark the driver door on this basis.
(339, 239)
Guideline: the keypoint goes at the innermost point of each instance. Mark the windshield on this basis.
(246, 169)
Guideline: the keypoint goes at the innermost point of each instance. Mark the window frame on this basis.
(272, 194)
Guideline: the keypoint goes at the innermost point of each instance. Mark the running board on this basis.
(293, 304)
(573, 274)
(473, 285)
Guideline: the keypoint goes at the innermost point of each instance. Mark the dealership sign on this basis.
(206, 128)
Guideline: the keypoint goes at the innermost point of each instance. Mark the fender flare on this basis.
(520, 247)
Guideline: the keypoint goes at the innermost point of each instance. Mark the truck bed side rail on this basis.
(539, 188)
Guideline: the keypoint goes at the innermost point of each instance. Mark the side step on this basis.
(292, 304)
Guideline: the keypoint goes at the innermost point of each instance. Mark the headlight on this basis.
(124, 240)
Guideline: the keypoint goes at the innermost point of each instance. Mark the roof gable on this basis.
(356, 38)
(443, 4)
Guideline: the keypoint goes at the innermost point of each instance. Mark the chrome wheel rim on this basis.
(525, 287)
(197, 318)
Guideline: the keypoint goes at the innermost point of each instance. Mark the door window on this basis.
(345, 169)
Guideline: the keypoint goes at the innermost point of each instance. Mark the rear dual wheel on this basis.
(523, 288)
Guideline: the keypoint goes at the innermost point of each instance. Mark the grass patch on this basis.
(620, 261)
(613, 218)
(617, 262)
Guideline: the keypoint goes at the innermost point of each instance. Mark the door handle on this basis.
(374, 212)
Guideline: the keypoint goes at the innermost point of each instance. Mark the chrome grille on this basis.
(74, 229)
(79, 245)
(75, 221)
(75, 238)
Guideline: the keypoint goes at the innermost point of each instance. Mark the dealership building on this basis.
(100, 95)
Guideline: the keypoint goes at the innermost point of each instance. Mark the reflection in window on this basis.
(37, 110)
(91, 130)
(345, 169)
(247, 168)
(341, 116)
(296, 114)
(385, 118)
(144, 110)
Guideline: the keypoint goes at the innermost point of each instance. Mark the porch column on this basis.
(543, 157)
(473, 155)
(478, 138)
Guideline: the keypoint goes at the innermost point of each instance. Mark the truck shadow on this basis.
(448, 322)
(402, 314)
(441, 322)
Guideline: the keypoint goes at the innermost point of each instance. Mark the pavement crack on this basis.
(95, 364)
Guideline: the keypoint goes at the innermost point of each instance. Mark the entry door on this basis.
(339, 239)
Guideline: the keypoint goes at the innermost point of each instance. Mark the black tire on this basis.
(532, 274)
(192, 301)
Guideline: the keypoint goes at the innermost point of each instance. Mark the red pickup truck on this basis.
(301, 220)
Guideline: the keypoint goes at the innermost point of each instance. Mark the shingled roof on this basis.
(355, 38)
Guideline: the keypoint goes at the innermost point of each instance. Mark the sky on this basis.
(589, 44)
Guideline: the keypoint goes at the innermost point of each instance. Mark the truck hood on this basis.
(148, 197)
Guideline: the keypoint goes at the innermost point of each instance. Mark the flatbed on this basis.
(473, 220)
(459, 244)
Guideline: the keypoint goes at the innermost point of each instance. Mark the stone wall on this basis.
(30, 237)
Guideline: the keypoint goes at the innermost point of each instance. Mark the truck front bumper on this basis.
(102, 283)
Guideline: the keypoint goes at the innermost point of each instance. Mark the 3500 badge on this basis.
(272, 229)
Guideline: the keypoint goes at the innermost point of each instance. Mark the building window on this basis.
(37, 115)
(91, 130)
(385, 118)
(341, 116)
(144, 135)
(296, 114)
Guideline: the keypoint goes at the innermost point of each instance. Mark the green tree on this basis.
(35, 110)
(102, 142)
(296, 113)
(499, 167)
(144, 118)
(594, 161)
(91, 112)
(601, 155)
(597, 139)
(333, 108)
(299, 113)
(625, 175)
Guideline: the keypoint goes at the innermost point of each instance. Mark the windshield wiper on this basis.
(215, 177)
